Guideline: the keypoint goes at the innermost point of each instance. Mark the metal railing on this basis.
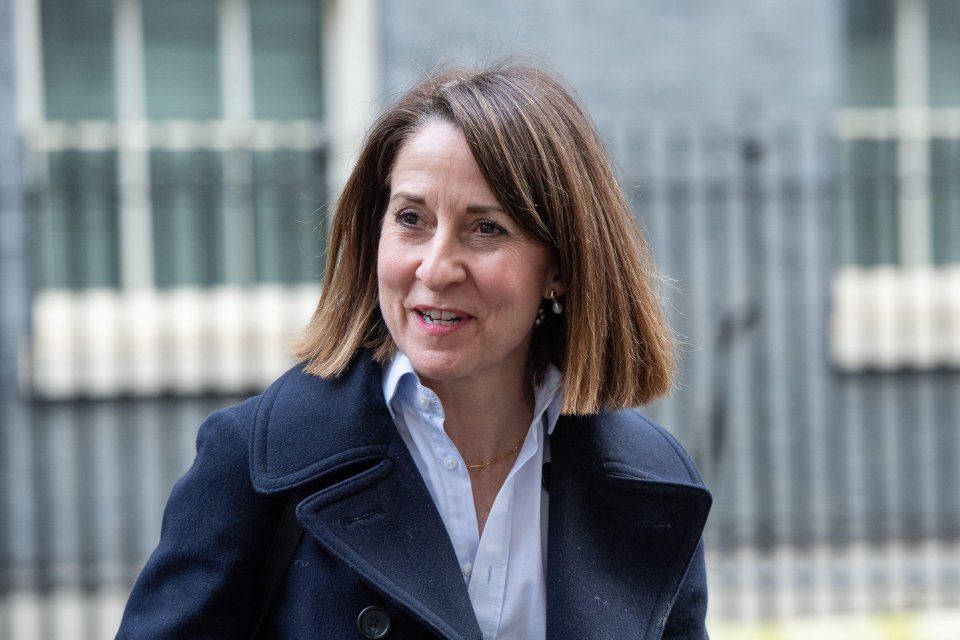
(836, 492)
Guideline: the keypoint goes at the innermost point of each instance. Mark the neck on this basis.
(484, 420)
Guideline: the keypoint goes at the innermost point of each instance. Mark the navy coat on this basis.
(624, 560)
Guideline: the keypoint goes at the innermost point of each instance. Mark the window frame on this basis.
(906, 315)
(911, 122)
(60, 364)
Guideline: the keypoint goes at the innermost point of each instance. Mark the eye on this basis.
(488, 228)
(407, 217)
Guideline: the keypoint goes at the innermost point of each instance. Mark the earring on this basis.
(557, 307)
(539, 319)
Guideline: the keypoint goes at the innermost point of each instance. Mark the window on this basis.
(178, 158)
(895, 298)
(901, 126)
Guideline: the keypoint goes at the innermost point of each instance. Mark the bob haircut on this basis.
(545, 162)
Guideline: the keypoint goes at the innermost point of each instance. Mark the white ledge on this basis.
(893, 318)
(106, 343)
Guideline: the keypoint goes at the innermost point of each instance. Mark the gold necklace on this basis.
(480, 466)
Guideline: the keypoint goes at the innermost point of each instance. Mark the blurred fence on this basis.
(836, 480)
(837, 487)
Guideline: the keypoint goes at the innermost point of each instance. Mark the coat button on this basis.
(373, 622)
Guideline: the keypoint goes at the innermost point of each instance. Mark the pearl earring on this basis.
(557, 307)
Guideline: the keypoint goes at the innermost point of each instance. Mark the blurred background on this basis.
(166, 172)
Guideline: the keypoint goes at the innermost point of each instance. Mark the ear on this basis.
(554, 282)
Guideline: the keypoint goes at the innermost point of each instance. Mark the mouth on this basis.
(439, 317)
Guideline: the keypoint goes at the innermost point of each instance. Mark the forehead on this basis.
(437, 157)
(436, 142)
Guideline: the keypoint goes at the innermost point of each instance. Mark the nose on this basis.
(441, 262)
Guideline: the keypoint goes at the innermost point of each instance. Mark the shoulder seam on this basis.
(670, 439)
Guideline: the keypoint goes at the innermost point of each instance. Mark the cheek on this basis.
(382, 268)
(538, 277)
(394, 271)
(387, 293)
(517, 285)
(386, 263)
(384, 271)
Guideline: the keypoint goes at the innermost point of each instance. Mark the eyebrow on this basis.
(403, 195)
(471, 208)
(483, 208)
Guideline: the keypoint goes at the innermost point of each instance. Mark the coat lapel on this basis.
(622, 529)
(620, 537)
(371, 509)
(384, 525)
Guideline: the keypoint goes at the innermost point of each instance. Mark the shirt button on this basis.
(423, 401)
(449, 462)
(468, 569)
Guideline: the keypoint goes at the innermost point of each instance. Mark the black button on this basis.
(373, 622)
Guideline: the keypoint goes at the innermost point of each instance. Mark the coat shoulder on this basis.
(304, 426)
(629, 438)
(215, 528)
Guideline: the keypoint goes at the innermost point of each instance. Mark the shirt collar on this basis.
(393, 370)
(546, 395)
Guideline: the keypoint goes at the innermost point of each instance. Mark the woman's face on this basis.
(459, 282)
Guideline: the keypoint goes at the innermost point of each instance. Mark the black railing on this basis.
(834, 488)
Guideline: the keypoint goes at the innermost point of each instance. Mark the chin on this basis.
(437, 366)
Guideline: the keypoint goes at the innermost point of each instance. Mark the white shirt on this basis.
(505, 569)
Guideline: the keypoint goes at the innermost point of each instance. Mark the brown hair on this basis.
(544, 160)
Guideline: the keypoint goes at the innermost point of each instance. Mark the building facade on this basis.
(166, 170)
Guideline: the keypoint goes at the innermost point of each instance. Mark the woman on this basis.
(458, 427)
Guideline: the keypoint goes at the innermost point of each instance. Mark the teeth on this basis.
(436, 316)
